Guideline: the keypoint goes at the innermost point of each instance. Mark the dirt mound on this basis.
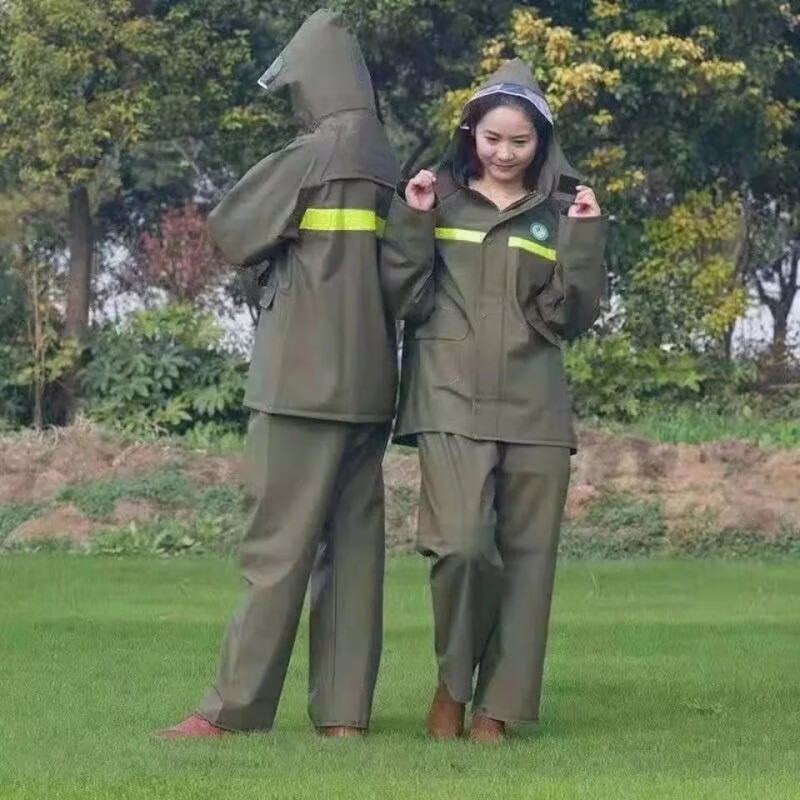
(732, 485)
(36, 466)
(727, 485)
(62, 523)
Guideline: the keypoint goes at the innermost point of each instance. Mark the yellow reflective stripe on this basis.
(532, 247)
(342, 219)
(460, 235)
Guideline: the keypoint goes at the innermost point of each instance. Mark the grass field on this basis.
(699, 426)
(665, 680)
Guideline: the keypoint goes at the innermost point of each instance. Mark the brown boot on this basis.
(446, 717)
(486, 730)
(193, 727)
(342, 732)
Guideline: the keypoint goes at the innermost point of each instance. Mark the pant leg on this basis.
(457, 530)
(531, 491)
(291, 468)
(346, 620)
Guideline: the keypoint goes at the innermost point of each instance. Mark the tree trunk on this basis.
(80, 264)
(79, 285)
(781, 323)
(727, 342)
(38, 352)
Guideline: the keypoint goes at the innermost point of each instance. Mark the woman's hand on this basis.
(585, 204)
(421, 191)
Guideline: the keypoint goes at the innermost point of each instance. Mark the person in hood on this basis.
(321, 388)
(493, 260)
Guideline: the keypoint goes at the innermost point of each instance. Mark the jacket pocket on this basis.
(532, 274)
(445, 322)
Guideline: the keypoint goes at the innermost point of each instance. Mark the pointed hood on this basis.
(516, 79)
(324, 69)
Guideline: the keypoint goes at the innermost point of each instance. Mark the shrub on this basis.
(164, 371)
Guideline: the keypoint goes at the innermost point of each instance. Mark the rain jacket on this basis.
(325, 344)
(489, 297)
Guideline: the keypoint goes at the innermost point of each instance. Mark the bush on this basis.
(14, 399)
(164, 371)
(202, 535)
(612, 379)
(616, 526)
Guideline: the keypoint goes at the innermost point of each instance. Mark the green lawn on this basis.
(665, 680)
(702, 425)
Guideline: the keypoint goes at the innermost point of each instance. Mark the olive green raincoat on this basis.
(325, 346)
(489, 297)
(322, 387)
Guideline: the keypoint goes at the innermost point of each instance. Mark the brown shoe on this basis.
(446, 717)
(342, 732)
(486, 730)
(193, 727)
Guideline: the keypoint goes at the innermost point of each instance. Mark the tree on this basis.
(655, 104)
(685, 291)
(34, 356)
(71, 98)
(83, 85)
(774, 269)
(181, 260)
(635, 103)
(209, 121)
(415, 50)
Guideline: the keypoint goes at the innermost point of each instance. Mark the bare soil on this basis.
(728, 484)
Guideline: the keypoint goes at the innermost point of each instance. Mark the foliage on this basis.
(164, 371)
(208, 121)
(619, 526)
(744, 418)
(685, 290)
(188, 519)
(68, 99)
(180, 260)
(14, 401)
(733, 544)
(35, 356)
(167, 487)
(609, 378)
(616, 526)
(635, 100)
(86, 82)
(612, 379)
(12, 515)
(167, 535)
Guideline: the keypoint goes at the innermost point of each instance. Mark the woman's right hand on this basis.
(421, 191)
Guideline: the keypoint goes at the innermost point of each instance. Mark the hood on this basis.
(516, 78)
(324, 68)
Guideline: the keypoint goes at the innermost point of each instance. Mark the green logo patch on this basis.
(539, 232)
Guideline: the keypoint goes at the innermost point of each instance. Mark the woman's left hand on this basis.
(585, 204)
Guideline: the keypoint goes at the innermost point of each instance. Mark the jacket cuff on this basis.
(420, 225)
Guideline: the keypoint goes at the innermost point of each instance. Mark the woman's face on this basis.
(505, 141)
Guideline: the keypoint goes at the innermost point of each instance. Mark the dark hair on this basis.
(466, 163)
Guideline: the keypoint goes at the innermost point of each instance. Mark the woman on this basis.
(493, 260)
